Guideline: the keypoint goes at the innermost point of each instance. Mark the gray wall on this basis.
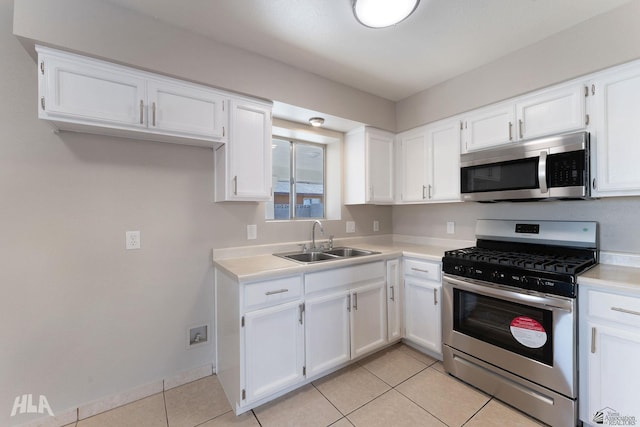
(81, 317)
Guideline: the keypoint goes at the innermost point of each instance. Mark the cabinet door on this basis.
(186, 110)
(552, 111)
(422, 313)
(368, 318)
(614, 380)
(489, 126)
(85, 91)
(444, 161)
(413, 166)
(394, 300)
(274, 349)
(249, 152)
(617, 132)
(379, 161)
(327, 332)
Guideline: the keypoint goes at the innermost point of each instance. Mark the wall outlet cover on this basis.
(252, 232)
(351, 226)
(451, 227)
(132, 239)
(376, 225)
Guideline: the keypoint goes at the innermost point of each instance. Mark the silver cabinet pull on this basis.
(420, 270)
(393, 293)
(355, 301)
(593, 340)
(42, 102)
(430, 191)
(520, 128)
(349, 302)
(300, 311)
(424, 189)
(279, 291)
(510, 131)
(235, 185)
(141, 112)
(153, 113)
(624, 310)
(435, 296)
(593, 184)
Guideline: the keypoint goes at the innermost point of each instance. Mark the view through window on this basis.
(298, 180)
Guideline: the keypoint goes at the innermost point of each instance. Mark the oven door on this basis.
(532, 336)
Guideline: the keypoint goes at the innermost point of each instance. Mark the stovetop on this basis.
(530, 267)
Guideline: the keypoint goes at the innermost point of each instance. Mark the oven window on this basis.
(515, 327)
(513, 175)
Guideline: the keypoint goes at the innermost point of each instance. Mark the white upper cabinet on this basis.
(429, 168)
(87, 95)
(489, 126)
(616, 103)
(243, 166)
(368, 167)
(546, 112)
(186, 110)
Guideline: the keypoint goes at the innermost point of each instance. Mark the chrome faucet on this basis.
(313, 233)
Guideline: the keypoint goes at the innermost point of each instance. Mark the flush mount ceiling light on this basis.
(383, 13)
(316, 121)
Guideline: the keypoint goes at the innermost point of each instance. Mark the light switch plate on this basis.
(252, 232)
(351, 226)
(451, 227)
(376, 225)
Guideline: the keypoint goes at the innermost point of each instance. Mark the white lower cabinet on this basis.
(609, 353)
(274, 349)
(368, 318)
(422, 292)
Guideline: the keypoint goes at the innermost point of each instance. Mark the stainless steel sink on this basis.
(328, 255)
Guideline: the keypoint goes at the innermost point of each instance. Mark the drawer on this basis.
(617, 308)
(422, 269)
(344, 277)
(272, 292)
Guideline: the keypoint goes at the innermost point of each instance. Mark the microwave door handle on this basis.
(542, 172)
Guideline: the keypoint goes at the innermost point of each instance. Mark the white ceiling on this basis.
(442, 39)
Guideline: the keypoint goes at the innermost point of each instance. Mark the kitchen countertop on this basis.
(609, 277)
(264, 266)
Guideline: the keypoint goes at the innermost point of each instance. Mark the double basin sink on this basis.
(325, 255)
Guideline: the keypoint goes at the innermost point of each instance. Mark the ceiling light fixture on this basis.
(316, 121)
(383, 13)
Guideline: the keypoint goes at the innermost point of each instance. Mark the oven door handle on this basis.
(557, 303)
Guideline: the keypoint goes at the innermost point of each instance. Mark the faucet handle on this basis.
(303, 247)
(331, 241)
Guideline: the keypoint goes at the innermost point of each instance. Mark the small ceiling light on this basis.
(316, 121)
(383, 13)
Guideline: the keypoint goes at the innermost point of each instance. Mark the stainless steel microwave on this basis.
(555, 167)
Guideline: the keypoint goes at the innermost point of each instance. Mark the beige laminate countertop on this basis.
(612, 277)
(260, 267)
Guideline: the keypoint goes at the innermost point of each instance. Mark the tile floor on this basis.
(395, 387)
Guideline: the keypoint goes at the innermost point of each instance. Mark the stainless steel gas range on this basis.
(509, 319)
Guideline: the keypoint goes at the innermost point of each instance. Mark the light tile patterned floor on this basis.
(398, 386)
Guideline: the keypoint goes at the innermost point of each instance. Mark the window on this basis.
(298, 180)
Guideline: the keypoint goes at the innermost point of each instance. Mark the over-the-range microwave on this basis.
(555, 167)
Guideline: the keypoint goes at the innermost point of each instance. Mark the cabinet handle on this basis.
(141, 111)
(435, 296)
(42, 102)
(593, 184)
(429, 192)
(424, 189)
(300, 311)
(593, 340)
(420, 270)
(153, 111)
(42, 67)
(520, 128)
(279, 291)
(624, 310)
(393, 293)
(235, 185)
(349, 302)
(510, 131)
(355, 301)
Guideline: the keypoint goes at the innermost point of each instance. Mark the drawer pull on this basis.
(355, 301)
(624, 310)
(393, 293)
(279, 291)
(420, 270)
(435, 296)
(593, 340)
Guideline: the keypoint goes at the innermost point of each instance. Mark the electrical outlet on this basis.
(132, 239)
(451, 227)
(198, 335)
(376, 225)
(252, 232)
(351, 226)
